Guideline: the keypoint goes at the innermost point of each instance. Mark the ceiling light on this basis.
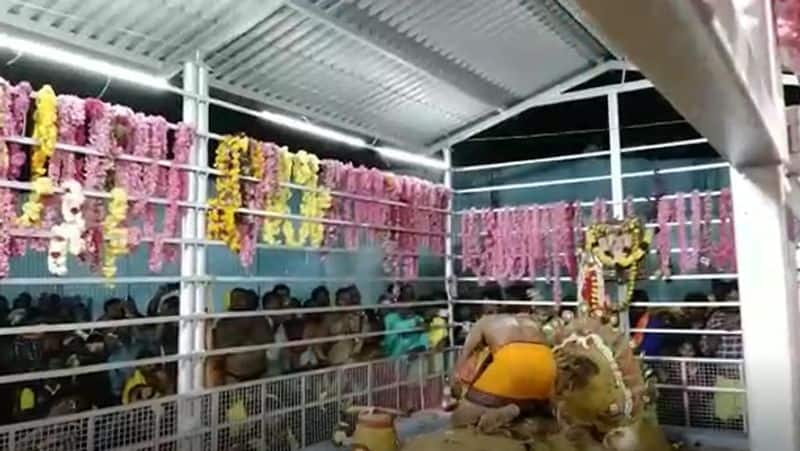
(82, 62)
(411, 158)
(310, 128)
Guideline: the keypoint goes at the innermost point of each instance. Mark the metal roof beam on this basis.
(349, 19)
(550, 95)
(715, 62)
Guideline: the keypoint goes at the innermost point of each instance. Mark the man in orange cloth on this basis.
(505, 368)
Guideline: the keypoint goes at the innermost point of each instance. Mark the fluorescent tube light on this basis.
(411, 158)
(310, 128)
(82, 62)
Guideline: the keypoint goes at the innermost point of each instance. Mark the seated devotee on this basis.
(147, 382)
(399, 339)
(320, 297)
(236, 332)
(505, 368)
(346, 323)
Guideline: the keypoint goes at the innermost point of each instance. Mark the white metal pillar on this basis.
(201, 197)
(769, 309)
(614, 146)
(450, 281)
(186, 327)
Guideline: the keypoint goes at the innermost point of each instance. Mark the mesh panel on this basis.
(65, 436)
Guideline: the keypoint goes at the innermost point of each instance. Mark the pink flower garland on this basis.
(176, 191)
(7, 222)
(666, 213)
(20, 104)
(157, 145)
(254, 196)
(706, 241)
(787, 20)
(534, 238)
(600, 211)
(680, 216)
(697, 230)
(71, 125)
(725, 252)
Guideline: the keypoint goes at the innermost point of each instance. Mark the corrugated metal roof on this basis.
(405, 71)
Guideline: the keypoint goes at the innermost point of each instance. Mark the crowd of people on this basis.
(416, 329)
(279, 319)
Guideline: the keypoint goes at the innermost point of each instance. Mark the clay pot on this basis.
(375, 432)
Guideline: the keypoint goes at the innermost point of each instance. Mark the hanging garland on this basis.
(115, 235)
(279, 202)
(314, 203)
(67, 236)
(45, 130)
(228, 197)
(176, 190)
(666, 208)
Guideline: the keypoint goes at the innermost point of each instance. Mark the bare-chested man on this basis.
(235, 332)
(518, 374)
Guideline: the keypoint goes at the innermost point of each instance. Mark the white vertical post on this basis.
(617, 191)
(185, 327)
(201, 197)
(187, 419)
(769, 310)
(617, 196)
(450, 282)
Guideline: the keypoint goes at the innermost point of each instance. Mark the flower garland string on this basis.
(67, 237)
(666, 207)
(725, 252)
(176, 191)
(315, 201)
(279, 201)
(706, 240)
(16, 114)
(71, 123)
(153, 186)
(115, 234)
(683, 245)
(696, 229)
(228, 197)
(45, 132)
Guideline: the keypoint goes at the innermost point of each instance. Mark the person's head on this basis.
(355, 295)
(407, 293)
(272, 301)
(320, 297)
(23, 301)
(4, 307)
(243, 300)
(114, 308)
(687, 349)
(282, 290)
(343, 297)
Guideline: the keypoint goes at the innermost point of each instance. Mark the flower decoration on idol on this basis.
(618, 247)
(115, 235)
(228, 197)
(278, 203)
(67, 237)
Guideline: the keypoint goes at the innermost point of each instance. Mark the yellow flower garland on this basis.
(32, 209)
(315, 201)
(222, 208)
(116, 237)
(45, 130)
(279, 203)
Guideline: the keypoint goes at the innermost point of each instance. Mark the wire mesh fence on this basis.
(284, 413)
